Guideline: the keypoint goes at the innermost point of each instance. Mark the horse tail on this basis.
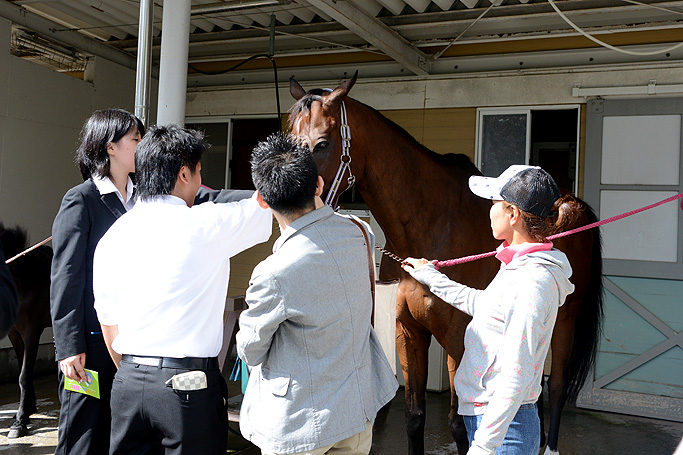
(588, 325)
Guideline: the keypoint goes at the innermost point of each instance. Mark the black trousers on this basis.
(150, 417)
(84, 421)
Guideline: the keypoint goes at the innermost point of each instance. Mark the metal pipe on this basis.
(143, 76)
(175, 44)
(271, 47)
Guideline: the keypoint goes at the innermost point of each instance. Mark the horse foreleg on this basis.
(18, 345)
(455, 421)
(412, 346)
(18, 429)
(28, 395)
(27, 401)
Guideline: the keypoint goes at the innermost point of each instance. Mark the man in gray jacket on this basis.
(319, 374)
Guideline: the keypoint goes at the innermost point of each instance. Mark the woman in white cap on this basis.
(499, 378)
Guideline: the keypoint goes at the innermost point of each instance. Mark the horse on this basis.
(31, 274)
(422, 202)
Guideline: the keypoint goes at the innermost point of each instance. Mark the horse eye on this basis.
(320, 146)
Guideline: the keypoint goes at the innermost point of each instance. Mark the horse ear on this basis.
(340, 92)
(295, 89)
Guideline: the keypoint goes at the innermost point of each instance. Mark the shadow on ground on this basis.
(583, 432)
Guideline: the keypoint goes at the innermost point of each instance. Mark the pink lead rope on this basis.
(462, 260)
(27, 250)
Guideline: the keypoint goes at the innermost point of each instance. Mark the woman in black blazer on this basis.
(105, 157)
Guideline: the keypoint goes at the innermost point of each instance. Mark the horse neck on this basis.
(395, 169)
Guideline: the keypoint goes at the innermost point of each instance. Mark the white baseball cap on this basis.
(530, 188)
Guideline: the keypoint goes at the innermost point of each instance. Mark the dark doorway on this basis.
(246, 133)
(553, 145)
(228, 167)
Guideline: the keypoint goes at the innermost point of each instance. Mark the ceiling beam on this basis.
(376, 33)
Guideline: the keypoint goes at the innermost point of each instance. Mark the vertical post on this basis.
(271, 47)
(175, 43)
(143, 76)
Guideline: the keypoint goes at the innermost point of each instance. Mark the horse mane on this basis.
(14, 240)
(460, 160)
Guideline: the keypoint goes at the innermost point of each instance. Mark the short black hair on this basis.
(284, 173)
(160, 155)
(101, 129)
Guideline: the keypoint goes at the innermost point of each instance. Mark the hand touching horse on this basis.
(423, 204)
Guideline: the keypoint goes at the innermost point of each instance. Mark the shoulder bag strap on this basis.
(371, 265)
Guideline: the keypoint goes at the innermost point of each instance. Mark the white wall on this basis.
(41, 114)
(540, 87)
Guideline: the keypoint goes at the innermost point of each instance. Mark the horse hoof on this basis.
(17, 431)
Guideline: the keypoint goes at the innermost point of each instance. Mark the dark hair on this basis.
(566, 212)
(284, 173)
(160, 155)
(533, 190)
(101, 129)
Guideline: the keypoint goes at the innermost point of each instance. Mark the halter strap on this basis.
(345, 160)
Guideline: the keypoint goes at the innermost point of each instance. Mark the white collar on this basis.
(163, 199)
(105, 186)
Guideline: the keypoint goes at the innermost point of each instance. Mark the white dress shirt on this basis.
(161, 273)
(105, 186)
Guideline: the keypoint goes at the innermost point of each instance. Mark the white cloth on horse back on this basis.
(508, 338)
(161, 273)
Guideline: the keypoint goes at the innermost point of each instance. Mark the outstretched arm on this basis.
(221, 196)
(456, 294)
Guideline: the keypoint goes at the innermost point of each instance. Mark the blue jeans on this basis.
(523, 436)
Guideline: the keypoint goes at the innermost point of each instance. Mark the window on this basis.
(544, 136)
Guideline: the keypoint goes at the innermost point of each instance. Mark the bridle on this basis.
(345, 160)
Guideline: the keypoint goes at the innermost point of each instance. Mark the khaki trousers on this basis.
(358, 444)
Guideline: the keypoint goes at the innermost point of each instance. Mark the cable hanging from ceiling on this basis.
(609, 46)
(270, 56)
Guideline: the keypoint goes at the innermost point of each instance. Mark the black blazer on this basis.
(83, 218)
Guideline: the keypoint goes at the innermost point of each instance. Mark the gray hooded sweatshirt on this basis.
(507, 341)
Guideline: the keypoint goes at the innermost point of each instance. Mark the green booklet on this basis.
(90, 387)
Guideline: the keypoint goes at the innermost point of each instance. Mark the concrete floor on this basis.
(583, 432)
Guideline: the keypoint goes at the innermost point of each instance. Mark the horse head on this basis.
(316, 118)
(13, 240)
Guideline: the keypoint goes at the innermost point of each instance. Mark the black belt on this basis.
(186, 363)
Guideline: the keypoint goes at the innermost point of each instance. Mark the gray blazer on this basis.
(319, 372)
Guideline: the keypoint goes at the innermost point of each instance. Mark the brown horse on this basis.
(423, 204)
(31, 274)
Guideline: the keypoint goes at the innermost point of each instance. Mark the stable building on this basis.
(590, 90)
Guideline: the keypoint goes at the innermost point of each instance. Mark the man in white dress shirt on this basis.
(160, 280)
